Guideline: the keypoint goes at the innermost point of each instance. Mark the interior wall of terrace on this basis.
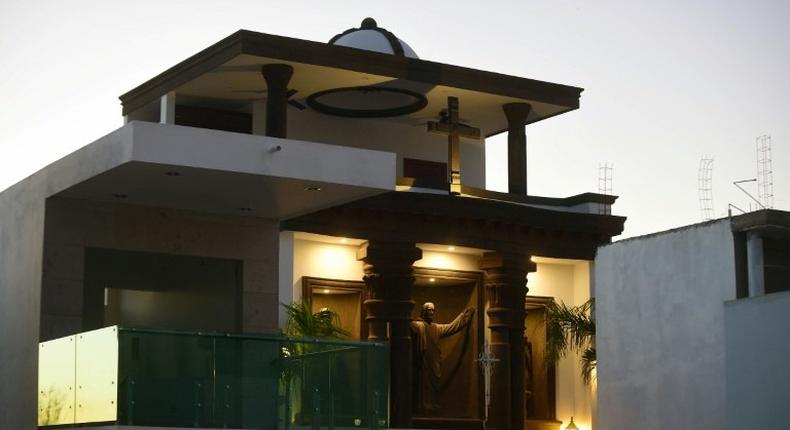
(332, 259)
(568, 282)
(404, 139)
(408, 138)
(73, 225)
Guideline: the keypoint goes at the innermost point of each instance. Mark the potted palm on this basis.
(298, 375)
(303, 322)
(572, 328)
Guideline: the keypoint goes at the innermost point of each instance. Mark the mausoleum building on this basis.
(266, 170)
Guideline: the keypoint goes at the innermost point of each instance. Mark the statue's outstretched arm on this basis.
(458, 324)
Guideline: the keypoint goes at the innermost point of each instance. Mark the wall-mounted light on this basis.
(571, 425)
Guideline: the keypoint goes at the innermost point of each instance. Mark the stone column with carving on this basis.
(506, 295)
(389, 277)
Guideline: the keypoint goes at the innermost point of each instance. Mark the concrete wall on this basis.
(22, 212)
(22, 224)
(567, 281)
(73, 225)
(758, 347)
(406, 140)
(660, 328)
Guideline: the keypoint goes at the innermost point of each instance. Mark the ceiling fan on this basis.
(440, 117)
(299, 104)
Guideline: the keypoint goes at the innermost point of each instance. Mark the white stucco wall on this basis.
(404, 139)
(568, 281)
(758, 350)
(660, 328)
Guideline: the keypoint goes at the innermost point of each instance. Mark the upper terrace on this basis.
(365, 89)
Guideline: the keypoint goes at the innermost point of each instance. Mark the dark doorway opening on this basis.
(163, 291)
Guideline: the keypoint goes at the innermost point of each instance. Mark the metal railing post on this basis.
(198, 405)
(316, 408)
(130, 398)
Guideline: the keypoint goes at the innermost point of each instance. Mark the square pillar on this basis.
(516, 114)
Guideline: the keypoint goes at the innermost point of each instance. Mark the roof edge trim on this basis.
(322, 54)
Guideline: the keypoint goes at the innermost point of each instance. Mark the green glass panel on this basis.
(96, 375)
(56, 381)
(163, 378)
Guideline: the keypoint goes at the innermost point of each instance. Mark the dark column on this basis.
(516, 114)
(506, 295)
(389, 277)
(277, 77)
(453, 146)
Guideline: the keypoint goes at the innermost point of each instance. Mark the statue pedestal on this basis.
(447, 423)
(542, 425)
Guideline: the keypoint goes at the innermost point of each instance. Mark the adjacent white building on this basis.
(693, 326)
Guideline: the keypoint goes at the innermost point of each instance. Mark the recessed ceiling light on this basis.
(120, 195)
(344, 240)
(245, 209)
(312, 188)
(326, 291)
(451, 248)
(432, 280)
(173, 173)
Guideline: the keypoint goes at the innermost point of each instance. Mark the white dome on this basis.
(371, 37)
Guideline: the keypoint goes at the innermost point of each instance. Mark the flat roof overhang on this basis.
(320, 66)
(769, 223)
(465, 221)
(219, 172)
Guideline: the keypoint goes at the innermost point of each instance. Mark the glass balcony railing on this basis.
(164, 378)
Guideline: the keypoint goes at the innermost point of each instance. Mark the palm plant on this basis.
(571, 328)
(298, 373)
(303, 322)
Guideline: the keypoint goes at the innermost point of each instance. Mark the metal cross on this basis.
(487, 360)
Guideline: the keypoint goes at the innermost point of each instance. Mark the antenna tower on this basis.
(605, 175)
(705, 185)
(765, 175)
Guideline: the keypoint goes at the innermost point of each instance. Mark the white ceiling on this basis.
(213, 191)
(240, 80)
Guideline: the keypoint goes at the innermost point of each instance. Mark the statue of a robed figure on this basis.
(428, 355)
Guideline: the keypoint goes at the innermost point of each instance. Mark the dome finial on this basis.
(368, 23)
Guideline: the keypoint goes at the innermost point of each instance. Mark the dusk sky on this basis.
(666, 82)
